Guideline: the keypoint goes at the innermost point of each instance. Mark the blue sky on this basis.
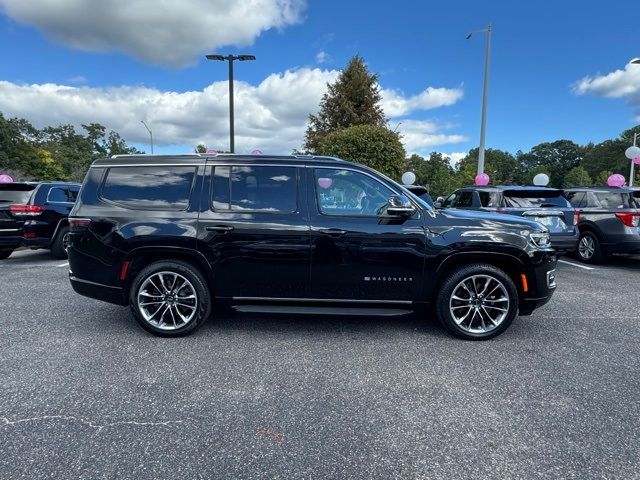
(116, 70)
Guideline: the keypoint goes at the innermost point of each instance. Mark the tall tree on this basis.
(353, 99)
(556, 157)
(576, 177)
(502, 167)
(434, 172)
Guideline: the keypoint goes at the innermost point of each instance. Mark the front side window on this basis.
(490, 199)
(465, 199)
(576, 199)
(450, 201)
(269, 189)
(149, 187)
(347, 192)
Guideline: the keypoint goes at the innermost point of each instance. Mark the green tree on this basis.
(576, 177)
(201, 148)
(502, 167)
(557, 158)
(602, 177)
(375, 146)
(353, 99)
(609, 155)
(434, 172)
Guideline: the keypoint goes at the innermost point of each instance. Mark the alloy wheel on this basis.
(479, 304)
(167, 300)
(586, 247)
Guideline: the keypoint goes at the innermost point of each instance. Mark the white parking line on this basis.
(63, 265)
(576, 265)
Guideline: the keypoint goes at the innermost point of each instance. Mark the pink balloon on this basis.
(325, 182)
(256, 152)
(212, 151)
(636, 161)
(615, 180)
(5, 179)
(482, 179)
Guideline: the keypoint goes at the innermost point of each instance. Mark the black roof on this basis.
(202, 158)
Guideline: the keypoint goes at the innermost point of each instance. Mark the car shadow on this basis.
(627, 262)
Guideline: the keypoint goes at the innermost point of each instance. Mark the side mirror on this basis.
(400, 205)
(438, 203)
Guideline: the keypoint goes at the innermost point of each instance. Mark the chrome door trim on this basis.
(319, 300)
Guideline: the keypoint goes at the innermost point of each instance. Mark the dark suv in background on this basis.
(34, 215)
(609, 221)
(167, 235)
(544, 205)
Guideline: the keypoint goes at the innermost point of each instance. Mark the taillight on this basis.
(25, 210)
(576, 218)
(629, 219)
(79, 224)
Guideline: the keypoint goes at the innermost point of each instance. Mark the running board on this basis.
(307, 310)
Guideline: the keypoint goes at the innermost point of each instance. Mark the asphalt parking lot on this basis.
(86, 393)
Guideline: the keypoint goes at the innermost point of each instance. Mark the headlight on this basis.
(540, 240)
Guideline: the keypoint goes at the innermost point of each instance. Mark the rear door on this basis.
(546, 206)
(13, 194)
(58, 203)
(254, 230)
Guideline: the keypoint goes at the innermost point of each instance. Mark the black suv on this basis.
(169, 234)
(544, 205)
(609, 221)
(34, 215)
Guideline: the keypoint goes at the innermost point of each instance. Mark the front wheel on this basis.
(477, 302)
(170, 298)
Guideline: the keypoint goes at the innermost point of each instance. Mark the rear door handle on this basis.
(333, 232)
(219, 228)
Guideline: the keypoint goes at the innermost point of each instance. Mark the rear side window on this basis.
(255, 189)
(15, 193)
(166, 188)
(58, 195)
(535, 199)
(611, 200)
(576, 199)
(490, 199)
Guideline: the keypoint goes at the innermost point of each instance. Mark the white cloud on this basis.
(78, 79)
(171, 33)
(395, 104)
(455, 157)
(322, 57)
(271, 116)
(618, 84)
(421, 136)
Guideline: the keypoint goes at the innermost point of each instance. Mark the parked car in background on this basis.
(167, 235)
(34, 215)
(544, 205)
(609, 221)
(421, 192)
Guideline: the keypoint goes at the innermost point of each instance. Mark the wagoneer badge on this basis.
(388, 279)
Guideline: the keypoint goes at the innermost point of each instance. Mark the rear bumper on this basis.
(565, 243)
(19, 241)
(98, 291)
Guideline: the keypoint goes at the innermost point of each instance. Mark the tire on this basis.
(172, 318)
(589, 249)
(494, 292)
(59, 245)
(5, 253)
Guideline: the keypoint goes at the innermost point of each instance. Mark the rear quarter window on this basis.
(535, 199)
(155, 188)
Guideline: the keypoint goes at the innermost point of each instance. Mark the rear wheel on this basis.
(170, 298)
(477, 302)
(5, 253)
(60, 243)
(589, 248)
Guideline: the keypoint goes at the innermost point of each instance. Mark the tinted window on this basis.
(73, 194)
(149, 187)
(465, 199)
(610, 200)
(15, 193)
(58, 194)
(534, 199)
(576, 199)
(255, 189)
(490, 199)
(450, 201)
(346, 192)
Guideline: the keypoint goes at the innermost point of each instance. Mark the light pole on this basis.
(230, 59)
(150, 134)
(635, 61)
(485, 90)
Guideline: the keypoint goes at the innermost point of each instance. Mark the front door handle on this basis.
(219, 228)
(333, 232)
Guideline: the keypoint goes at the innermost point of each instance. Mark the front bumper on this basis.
(541, 283)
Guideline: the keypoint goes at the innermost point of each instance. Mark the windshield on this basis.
(535, 199)
(423, 203)
(15, 193)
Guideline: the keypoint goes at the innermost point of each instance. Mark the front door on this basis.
(253, 228)
(356, 252)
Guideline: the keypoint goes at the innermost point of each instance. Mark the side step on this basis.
(313, 310)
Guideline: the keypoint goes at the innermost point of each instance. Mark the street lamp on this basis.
(230, 59)
(483, 124)
(632, 152)
(150, 134)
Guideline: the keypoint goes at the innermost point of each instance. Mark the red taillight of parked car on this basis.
(79, 224)
(576, 218)
(25, 210)
(629, 219)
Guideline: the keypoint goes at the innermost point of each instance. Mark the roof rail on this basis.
(135, 155)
